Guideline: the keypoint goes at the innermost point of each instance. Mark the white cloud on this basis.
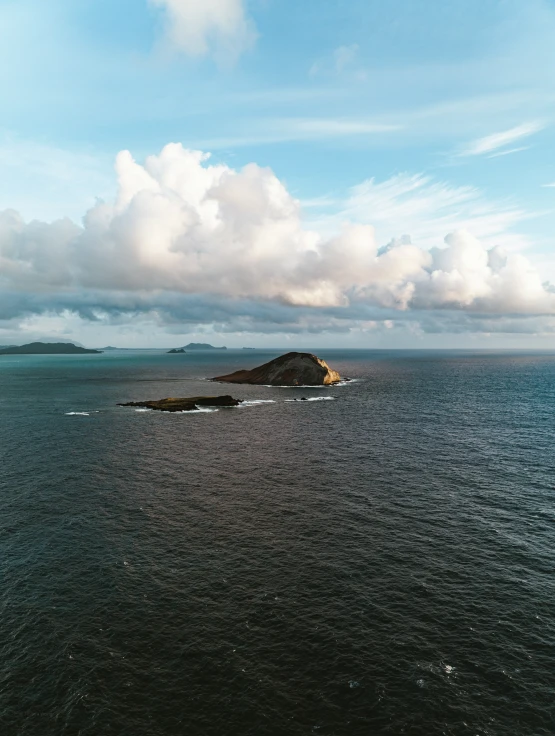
(492, 142)
(198, 27)
(209, 243)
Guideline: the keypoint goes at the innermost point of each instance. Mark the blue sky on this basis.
(416, 117)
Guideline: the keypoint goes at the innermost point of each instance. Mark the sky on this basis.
(331, 173)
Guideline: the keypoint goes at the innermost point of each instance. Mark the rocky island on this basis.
(185, 404)
(291, 369)
(48, 348)
(176, 351)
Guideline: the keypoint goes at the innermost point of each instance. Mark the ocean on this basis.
(379, 560)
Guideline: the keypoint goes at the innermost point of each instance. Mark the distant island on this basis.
(249, 348)
(48, 348)
(201, 346)
(174, 351)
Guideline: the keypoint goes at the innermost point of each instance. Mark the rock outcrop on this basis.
(291, 369)
(186, 404)
(175, 351)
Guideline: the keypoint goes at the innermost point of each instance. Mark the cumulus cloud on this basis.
(198, 27)
(191, 241)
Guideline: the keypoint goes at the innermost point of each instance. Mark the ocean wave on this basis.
(199, 410)
(343, 382)
(320, 386)
(253, 402)
(78, 413)
(314, 398)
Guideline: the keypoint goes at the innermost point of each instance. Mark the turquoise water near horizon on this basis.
(377, 560)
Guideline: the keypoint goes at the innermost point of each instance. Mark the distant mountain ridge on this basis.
(47, 348)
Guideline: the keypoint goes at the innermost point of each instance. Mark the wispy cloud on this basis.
(425, 209)
(493, 142)
(509, 151)
(283, 130)
(549, 185)
(330, 127)
(344, 56)
(344, 59)
(48, 181)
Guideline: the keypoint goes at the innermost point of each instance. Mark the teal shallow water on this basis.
(382, 562)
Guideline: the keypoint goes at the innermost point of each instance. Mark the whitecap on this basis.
(77, 413)
(199, 410)
(253, 402)
(314, 398)
(318, 385)
(343, 382)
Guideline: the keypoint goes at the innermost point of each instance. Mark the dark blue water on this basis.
(380, 563)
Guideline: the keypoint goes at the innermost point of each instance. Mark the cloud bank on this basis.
(197, 243)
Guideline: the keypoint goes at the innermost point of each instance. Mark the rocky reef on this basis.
(291, 369)
(185, 404)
